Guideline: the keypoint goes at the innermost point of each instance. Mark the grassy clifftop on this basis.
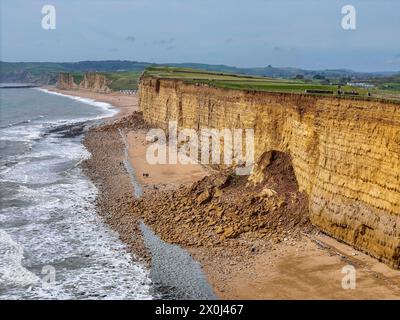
(127, 80)
(256, 83)
(242, 82)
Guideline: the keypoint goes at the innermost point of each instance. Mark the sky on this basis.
(247, 33)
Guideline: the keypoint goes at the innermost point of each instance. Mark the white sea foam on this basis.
(30, 130)
(12, 273)
(21, 133)
(65, 232)
(50, 219)
(40, 164)
(110, 109)
(62, 229)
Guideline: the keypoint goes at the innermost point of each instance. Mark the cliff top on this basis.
(256, 83)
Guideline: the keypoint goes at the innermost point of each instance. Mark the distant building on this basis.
(360, 84)
(126, 91)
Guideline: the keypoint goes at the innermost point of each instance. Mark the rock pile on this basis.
(224, 206)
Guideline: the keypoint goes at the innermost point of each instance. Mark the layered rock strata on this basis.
(91, 81)
(345, 152)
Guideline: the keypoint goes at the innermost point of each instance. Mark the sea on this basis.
(53, 245)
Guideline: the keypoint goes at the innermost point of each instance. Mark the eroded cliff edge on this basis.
(345, 152)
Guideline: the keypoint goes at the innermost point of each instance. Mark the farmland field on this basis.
(234, 81)
(255, 83)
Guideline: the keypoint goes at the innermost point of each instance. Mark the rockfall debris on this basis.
(224, 206)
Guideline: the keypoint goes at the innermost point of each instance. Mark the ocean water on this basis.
(53, 245)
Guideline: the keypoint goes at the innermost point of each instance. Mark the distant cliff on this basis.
(345, 152)
(66, 81)
(94, 82)
(24, 76)
(91, 81)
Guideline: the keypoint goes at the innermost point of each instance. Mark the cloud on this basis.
(278, 49)
(130, 39)
(164, 42)
(282, 49)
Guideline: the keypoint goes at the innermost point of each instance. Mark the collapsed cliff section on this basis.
(345, 152)
(90, 81)
(225, 206)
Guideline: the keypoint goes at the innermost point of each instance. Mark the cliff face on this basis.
(91, 81)
(94, 82)
(24, 76)
(345, 152)
(66, 81)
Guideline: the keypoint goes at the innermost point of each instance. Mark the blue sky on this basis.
(306, 34)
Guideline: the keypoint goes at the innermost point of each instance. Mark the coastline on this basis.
(174, 273)
(121, 102)
(246, 267)
(48, 216)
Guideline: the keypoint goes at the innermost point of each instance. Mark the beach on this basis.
(291, 260)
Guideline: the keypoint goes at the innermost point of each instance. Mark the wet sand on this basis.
(309, 267)
(306, 269)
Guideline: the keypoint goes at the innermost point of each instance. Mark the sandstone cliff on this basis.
(94, 82)
(66, 81)
(91, 81)
(345, 152)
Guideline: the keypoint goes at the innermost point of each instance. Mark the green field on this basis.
(391, 83)
(241, 82)
(127, 80)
